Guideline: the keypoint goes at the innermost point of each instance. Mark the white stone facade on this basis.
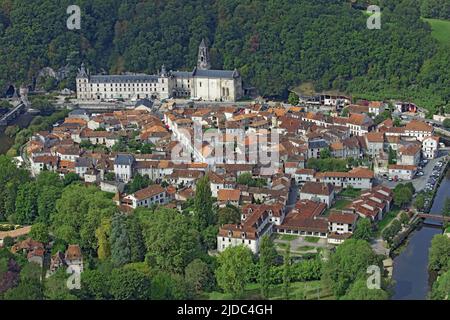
(202, 83)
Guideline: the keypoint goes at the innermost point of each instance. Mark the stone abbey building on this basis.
(201, 83)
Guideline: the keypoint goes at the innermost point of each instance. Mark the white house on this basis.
(74, 258)
(376, 107)
(405, 172)
(41, 163)
(256, 221)
(147, 197)
(304, 175)
(219, 182)
(358, 178)
(318, 192)
(123, 167)
(253, 226)
(341, 226)
(375, 143)
(418, 129)
(430, 147)
(409, 154)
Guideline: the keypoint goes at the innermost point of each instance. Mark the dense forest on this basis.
(439, 9)
(276, 44)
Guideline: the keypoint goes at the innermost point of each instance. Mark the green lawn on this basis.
(386, 220)
(312, 239)
(338, 205)
(341, 204)
(311, 290)
(281, 245)
(350, 193)
(441, 30)
(305, 248)
(286, 237)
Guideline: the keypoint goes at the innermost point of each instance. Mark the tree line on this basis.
(154, 253)
(276, 45)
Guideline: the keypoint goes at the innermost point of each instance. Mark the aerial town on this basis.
(331, 165)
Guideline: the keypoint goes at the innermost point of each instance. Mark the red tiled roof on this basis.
(410, 150)
(375, 137)
(73, 252)
(52, 160)
(148, 192)
(324, 189)
(416, 125)
(347, 218)
(228, 195)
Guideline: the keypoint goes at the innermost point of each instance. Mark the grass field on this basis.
(305, 248)
(350, 193)
(386, 220)
(341, 204)
(311, 290)
(441, 30)
(312, 239)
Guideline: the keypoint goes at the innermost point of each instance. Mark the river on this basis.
(411, 265)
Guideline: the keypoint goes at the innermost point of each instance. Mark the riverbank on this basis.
(412, 278)
(417, 222)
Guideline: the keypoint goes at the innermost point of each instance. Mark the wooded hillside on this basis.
(276, 44)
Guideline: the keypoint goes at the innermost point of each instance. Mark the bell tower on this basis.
(203, 62)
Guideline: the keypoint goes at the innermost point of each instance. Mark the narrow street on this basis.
(292, 198)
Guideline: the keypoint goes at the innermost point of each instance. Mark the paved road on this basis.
(379, 246)
(292, 198)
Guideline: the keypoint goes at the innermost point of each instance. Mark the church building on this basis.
(201, 83)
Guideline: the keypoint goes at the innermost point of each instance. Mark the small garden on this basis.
(350, 193)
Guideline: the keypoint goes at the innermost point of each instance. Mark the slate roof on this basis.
(216, 73)
(124, 160)
(123, 78)
(144, 102)
(183, 74)
(77, 112)
(320, 144)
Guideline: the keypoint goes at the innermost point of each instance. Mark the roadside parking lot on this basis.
(426, 182)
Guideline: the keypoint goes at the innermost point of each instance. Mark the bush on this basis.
(8, 242)
(446, 123)
(390, 232)
(305, 270)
